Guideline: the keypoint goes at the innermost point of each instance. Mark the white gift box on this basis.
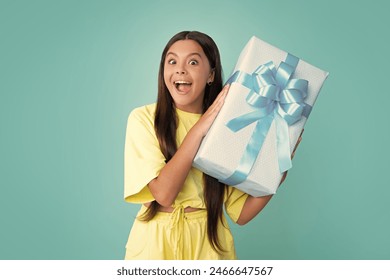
(221, 151)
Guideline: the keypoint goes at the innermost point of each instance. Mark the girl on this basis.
(182, 209)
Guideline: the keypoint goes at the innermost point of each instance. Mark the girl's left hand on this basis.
(292, 156)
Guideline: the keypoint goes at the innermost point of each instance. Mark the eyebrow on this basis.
(194, 53)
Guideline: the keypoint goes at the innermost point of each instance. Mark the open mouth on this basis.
(183, 86)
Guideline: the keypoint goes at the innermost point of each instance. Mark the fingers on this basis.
(221, 96)
(293, 154)
(209, 116)
(223, 92)
(296, 145)
(283, 178)
(220, 100)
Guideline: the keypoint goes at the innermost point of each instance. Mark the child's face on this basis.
(186, 72)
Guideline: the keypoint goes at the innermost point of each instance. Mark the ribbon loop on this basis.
(275, 97)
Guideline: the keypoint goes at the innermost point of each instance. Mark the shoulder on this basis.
(144, 114)
(140, 123)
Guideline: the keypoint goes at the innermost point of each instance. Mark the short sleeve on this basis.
(143, 157)
(234, 202)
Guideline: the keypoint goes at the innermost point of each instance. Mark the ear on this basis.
(211, 76)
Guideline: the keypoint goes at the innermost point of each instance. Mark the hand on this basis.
(296, 145)
(209, 116)
(292, 156)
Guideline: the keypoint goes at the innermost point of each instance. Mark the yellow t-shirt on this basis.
(144, 160)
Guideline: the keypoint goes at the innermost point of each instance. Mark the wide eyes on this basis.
(190, 62)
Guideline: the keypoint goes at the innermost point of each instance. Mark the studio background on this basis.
(71, 72)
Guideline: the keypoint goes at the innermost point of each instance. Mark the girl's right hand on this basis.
(169, 182)
(209, 116)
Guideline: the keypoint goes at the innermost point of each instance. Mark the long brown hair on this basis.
(165, 124)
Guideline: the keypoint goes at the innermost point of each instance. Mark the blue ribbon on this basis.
(275, 97)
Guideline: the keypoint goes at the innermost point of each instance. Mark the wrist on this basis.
(197, 132)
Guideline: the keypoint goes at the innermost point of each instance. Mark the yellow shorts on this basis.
(182, 236)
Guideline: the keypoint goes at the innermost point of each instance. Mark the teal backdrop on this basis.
(71, 72)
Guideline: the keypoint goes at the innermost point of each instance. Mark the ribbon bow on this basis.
(276, 97)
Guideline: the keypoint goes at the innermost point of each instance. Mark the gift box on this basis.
(271, 95)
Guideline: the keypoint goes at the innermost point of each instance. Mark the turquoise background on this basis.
(71, 71)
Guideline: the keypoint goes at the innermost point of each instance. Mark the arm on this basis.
(254, 205)
(169, 182)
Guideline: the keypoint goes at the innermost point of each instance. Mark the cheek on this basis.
(201, 77)
(207, 74)
(166, 79)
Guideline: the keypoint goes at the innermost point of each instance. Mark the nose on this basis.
(180, 69)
